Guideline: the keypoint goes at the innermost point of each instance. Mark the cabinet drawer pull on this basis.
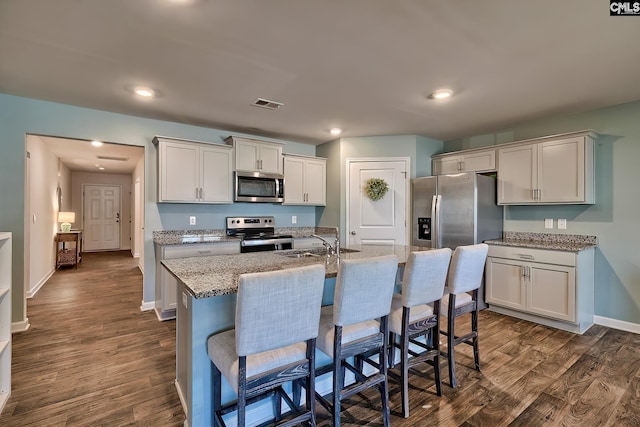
(205, 252)
(525, 256)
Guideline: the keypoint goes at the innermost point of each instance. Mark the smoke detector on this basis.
(265, 103)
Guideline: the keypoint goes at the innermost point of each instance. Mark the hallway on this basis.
(91, 357)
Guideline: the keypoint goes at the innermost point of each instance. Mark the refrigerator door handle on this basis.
(434, 223)
(438, 201)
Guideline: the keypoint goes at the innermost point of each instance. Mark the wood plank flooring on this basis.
(91, 358)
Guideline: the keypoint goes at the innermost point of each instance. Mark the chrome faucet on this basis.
(331, 249)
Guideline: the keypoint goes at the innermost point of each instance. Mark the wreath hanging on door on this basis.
(376, 188)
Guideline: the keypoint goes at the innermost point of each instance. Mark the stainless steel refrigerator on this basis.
(455, 210)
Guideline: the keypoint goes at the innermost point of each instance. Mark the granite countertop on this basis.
(185, 237)
(549, 241)
(217, 275)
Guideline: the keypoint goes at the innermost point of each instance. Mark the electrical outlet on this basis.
(294, 219)
(192, 220)
(548, 223)
(185, 300)
(562, 224)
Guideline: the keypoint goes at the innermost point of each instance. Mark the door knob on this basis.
(353, 233)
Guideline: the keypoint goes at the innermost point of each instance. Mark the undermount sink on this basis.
(313, 252)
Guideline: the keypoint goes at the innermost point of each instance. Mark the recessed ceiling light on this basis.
(145, 92)
(96, 143)
(441, 94)
(335, 131)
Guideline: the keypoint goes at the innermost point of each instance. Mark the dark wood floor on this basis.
(91, 358)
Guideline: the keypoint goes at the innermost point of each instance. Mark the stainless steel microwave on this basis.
(258, 187)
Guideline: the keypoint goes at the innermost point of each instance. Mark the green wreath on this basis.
(376, 188)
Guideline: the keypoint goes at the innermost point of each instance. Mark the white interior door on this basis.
(101, 217)
(381, 221)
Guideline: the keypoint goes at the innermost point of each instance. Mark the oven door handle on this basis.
(262, 242)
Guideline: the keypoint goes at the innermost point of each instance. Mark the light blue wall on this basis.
(615, 218)
(329, 215)
(19, 116)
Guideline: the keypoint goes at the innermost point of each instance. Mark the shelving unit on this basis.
(5, 318)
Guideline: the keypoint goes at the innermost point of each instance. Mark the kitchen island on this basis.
(207, 289)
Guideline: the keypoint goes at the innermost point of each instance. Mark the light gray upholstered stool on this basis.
(357, 323)
(277, 316)
(415, 313)
(465, 275)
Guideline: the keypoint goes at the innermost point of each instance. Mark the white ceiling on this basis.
(80, 155)
(363, 65)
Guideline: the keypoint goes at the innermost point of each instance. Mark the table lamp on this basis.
(66, 218)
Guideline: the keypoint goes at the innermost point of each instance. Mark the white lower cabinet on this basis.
(166, 284)
(551, 287)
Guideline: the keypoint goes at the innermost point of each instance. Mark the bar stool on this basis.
(349, 328)
(415, 313)
(465, 275)
(277, 316)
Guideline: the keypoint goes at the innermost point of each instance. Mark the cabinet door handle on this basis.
(539, 194)
(462, 166)
(201, 194)
(197, 193)
(523, 270)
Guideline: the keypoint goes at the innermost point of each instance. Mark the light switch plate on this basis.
(562, 224)
(192, 220)
(294, 219)
(548, 223)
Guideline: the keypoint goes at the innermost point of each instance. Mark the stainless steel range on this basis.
(257, 234)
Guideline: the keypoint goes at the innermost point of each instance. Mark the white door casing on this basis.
(102, 217)
(383, 221)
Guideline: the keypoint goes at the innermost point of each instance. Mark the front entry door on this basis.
(384, 220)
(101, 217)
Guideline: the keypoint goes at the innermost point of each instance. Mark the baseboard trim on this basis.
(617, 324)
(21, 326)
(183, 401)
(147, 306)
(40, 284)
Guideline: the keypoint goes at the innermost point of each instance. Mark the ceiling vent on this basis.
(265, 103)
(117, 159)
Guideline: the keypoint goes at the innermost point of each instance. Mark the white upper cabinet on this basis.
(193, 172)
(558, 170)
(256, 156)
(518, 175)
(305, 180)
(476, 161)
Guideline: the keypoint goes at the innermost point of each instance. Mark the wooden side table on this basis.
(65, 255)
